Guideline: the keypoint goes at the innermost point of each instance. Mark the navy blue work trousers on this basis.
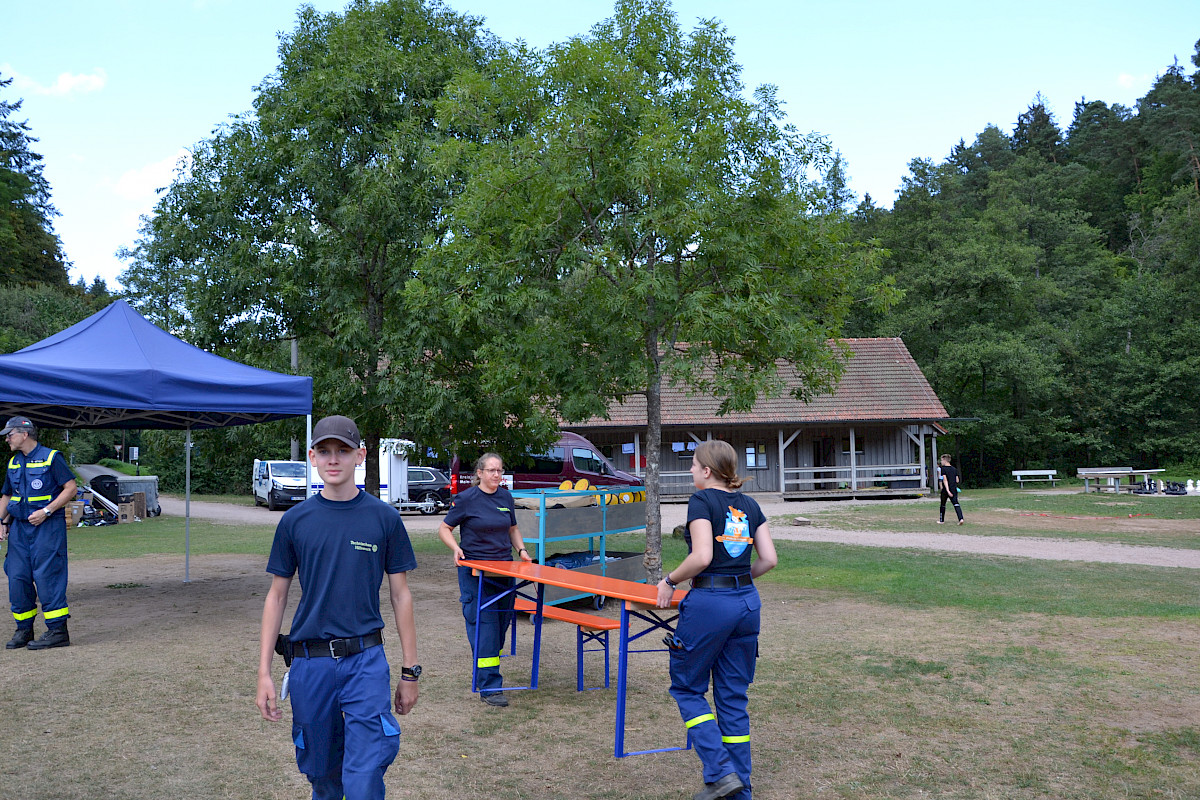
(36, 565)
(342, 724)
(718, 634)
(493, 622)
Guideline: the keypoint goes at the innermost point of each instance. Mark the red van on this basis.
(571, 458)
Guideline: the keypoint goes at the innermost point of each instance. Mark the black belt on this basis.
(336, 648)
(722, 581)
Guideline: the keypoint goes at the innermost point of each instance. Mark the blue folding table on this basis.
(637, 603)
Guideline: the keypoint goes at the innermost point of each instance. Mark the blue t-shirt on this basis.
(483, 521)
(734, 517)
(341, 549)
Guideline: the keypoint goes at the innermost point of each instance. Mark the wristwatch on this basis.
(670, 582)
(410, 673)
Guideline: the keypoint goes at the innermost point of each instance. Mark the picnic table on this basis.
(1112, 477)
(637, 603)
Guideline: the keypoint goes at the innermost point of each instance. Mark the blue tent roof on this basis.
(117, 370)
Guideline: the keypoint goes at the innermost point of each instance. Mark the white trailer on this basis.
(393, 478)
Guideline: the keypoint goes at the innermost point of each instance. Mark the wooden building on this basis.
(875, 435)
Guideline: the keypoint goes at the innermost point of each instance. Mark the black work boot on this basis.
(22, 637)
(53, 637)
(730, 784)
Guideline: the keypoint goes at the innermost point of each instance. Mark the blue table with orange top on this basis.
(637, 603)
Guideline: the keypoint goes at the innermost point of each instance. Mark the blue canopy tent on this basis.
(117, 370)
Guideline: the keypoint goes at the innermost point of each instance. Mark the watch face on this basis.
(414, 671)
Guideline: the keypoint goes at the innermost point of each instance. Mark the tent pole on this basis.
(307, 464)
(187, 505)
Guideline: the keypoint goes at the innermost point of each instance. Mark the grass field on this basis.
(883, 674)
(1127, 519)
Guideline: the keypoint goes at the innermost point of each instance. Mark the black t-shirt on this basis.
(483, 521)
(950, 476)
(734, 517)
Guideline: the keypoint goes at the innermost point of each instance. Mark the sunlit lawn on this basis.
(1129, 519)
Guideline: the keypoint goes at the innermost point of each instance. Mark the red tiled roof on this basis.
(881, 383)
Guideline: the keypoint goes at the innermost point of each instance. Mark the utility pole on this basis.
(295, 366)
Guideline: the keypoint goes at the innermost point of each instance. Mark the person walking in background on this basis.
(487, 523)
(38, 484)
(341, 542)
(948, 490)
(717, 633)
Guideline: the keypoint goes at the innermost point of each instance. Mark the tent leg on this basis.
(187, 506)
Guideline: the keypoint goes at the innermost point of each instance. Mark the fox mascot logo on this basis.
(736, 537)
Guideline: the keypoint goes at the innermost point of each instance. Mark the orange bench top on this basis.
(589, 621)
(575, 580)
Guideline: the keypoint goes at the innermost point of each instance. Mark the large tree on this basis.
(307, 217)
(30, 252)
(633, 220)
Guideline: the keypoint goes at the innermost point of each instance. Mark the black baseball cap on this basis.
(336, 427)
(18, 424)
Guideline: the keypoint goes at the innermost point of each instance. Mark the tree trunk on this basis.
(653, 558)
(371, 442)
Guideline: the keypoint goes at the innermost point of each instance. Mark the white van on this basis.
(278, 484)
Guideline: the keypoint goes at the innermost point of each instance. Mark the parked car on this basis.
(571, 458)
(430, 488)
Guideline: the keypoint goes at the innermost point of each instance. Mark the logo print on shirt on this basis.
(366, 547)
(736, 537)
(36, 483)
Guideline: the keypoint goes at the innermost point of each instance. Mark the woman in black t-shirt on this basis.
(717, 634)
(487, 523)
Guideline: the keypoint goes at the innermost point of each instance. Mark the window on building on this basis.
(756, 455)
(858, 446)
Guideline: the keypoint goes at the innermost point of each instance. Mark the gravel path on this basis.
(953, 541)
(1020, 546)
(676, 513)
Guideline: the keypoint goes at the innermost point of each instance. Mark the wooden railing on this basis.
(812, 479)
(815, 479)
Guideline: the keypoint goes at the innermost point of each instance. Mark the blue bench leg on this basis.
(605, 659)
(578, 659)
(580, 639)
(513, 646)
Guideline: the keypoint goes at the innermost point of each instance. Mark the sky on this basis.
(118, 91)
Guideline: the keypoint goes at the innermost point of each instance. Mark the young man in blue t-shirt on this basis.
(341, 542)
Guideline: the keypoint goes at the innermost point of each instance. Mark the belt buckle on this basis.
(336, 645)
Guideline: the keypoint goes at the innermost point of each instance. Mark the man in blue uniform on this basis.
(341, 542)
(38, 484)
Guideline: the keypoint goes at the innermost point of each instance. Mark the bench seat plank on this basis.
(589, 621)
